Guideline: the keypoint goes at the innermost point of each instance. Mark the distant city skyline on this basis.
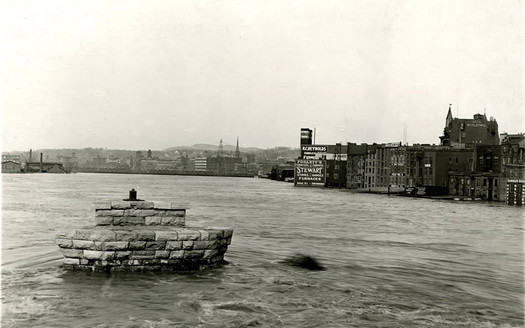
(139, 75)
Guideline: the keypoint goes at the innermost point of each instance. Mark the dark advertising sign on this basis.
(310, 173)
(313, 151)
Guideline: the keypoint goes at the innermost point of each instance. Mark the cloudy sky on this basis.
(154, 74)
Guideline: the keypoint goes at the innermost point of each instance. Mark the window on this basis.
(449, 160)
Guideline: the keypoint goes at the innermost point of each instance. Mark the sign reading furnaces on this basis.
(313, 152)
(310, 173)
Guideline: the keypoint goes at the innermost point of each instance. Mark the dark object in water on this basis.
(304, 261)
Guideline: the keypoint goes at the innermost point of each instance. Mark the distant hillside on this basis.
(208, 147)
(88, 154)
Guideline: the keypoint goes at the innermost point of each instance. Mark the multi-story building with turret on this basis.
(464, 132)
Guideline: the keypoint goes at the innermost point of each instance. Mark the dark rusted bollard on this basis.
(132, 196)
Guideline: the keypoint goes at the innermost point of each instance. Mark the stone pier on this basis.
(136, 235)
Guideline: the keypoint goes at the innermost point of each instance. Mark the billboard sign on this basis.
(310, 173)
(313, 151)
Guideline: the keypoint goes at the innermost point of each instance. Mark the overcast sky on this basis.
(155, 74)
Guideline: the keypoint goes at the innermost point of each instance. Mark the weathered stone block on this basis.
(173, 221)
(175, 261)
(102, 235)
(187, 244)
(99, 255)
(109, 213)
(144, 205)
(155, 245)
(66, 243)
(162, 254)
(145, 235)
(221, 243)
(137, 245)
(126, 262)
(216, 234)
(228, 233)
(205, 244)
(84, 244)
(115, 245)
(102, 205)
(166, 212)
(84, 261)
(128, 220)
(83, 234)
(209, 253)
(173, 245)
(103, 220)
(69, 252)
(189, 234)
(98, 246)
(152, 220)
(205, 235)
(193, 254)
(176, 212)
(177, 254)
(122, 255)
(125, 235)
(217, 258)
(71, 261)
(166, 235)
(120, 205)
(140, 255)
(140, 212)
(151, 262)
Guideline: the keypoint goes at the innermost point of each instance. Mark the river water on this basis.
(390, 261)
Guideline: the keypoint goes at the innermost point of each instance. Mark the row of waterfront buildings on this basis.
(192, 162)
(472, 160)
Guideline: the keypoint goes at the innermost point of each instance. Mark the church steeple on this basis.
(237, 152)
(221, 150)
(449, 115)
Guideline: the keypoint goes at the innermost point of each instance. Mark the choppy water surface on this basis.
(390, 261)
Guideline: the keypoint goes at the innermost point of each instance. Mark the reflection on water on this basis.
(390, 261)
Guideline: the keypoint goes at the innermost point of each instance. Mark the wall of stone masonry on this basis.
(142, 236)
(143, 249)
(123, 213)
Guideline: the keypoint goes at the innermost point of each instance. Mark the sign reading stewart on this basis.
(310, 172)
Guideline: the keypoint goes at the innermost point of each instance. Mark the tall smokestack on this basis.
(30, 155)
(41, 162)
